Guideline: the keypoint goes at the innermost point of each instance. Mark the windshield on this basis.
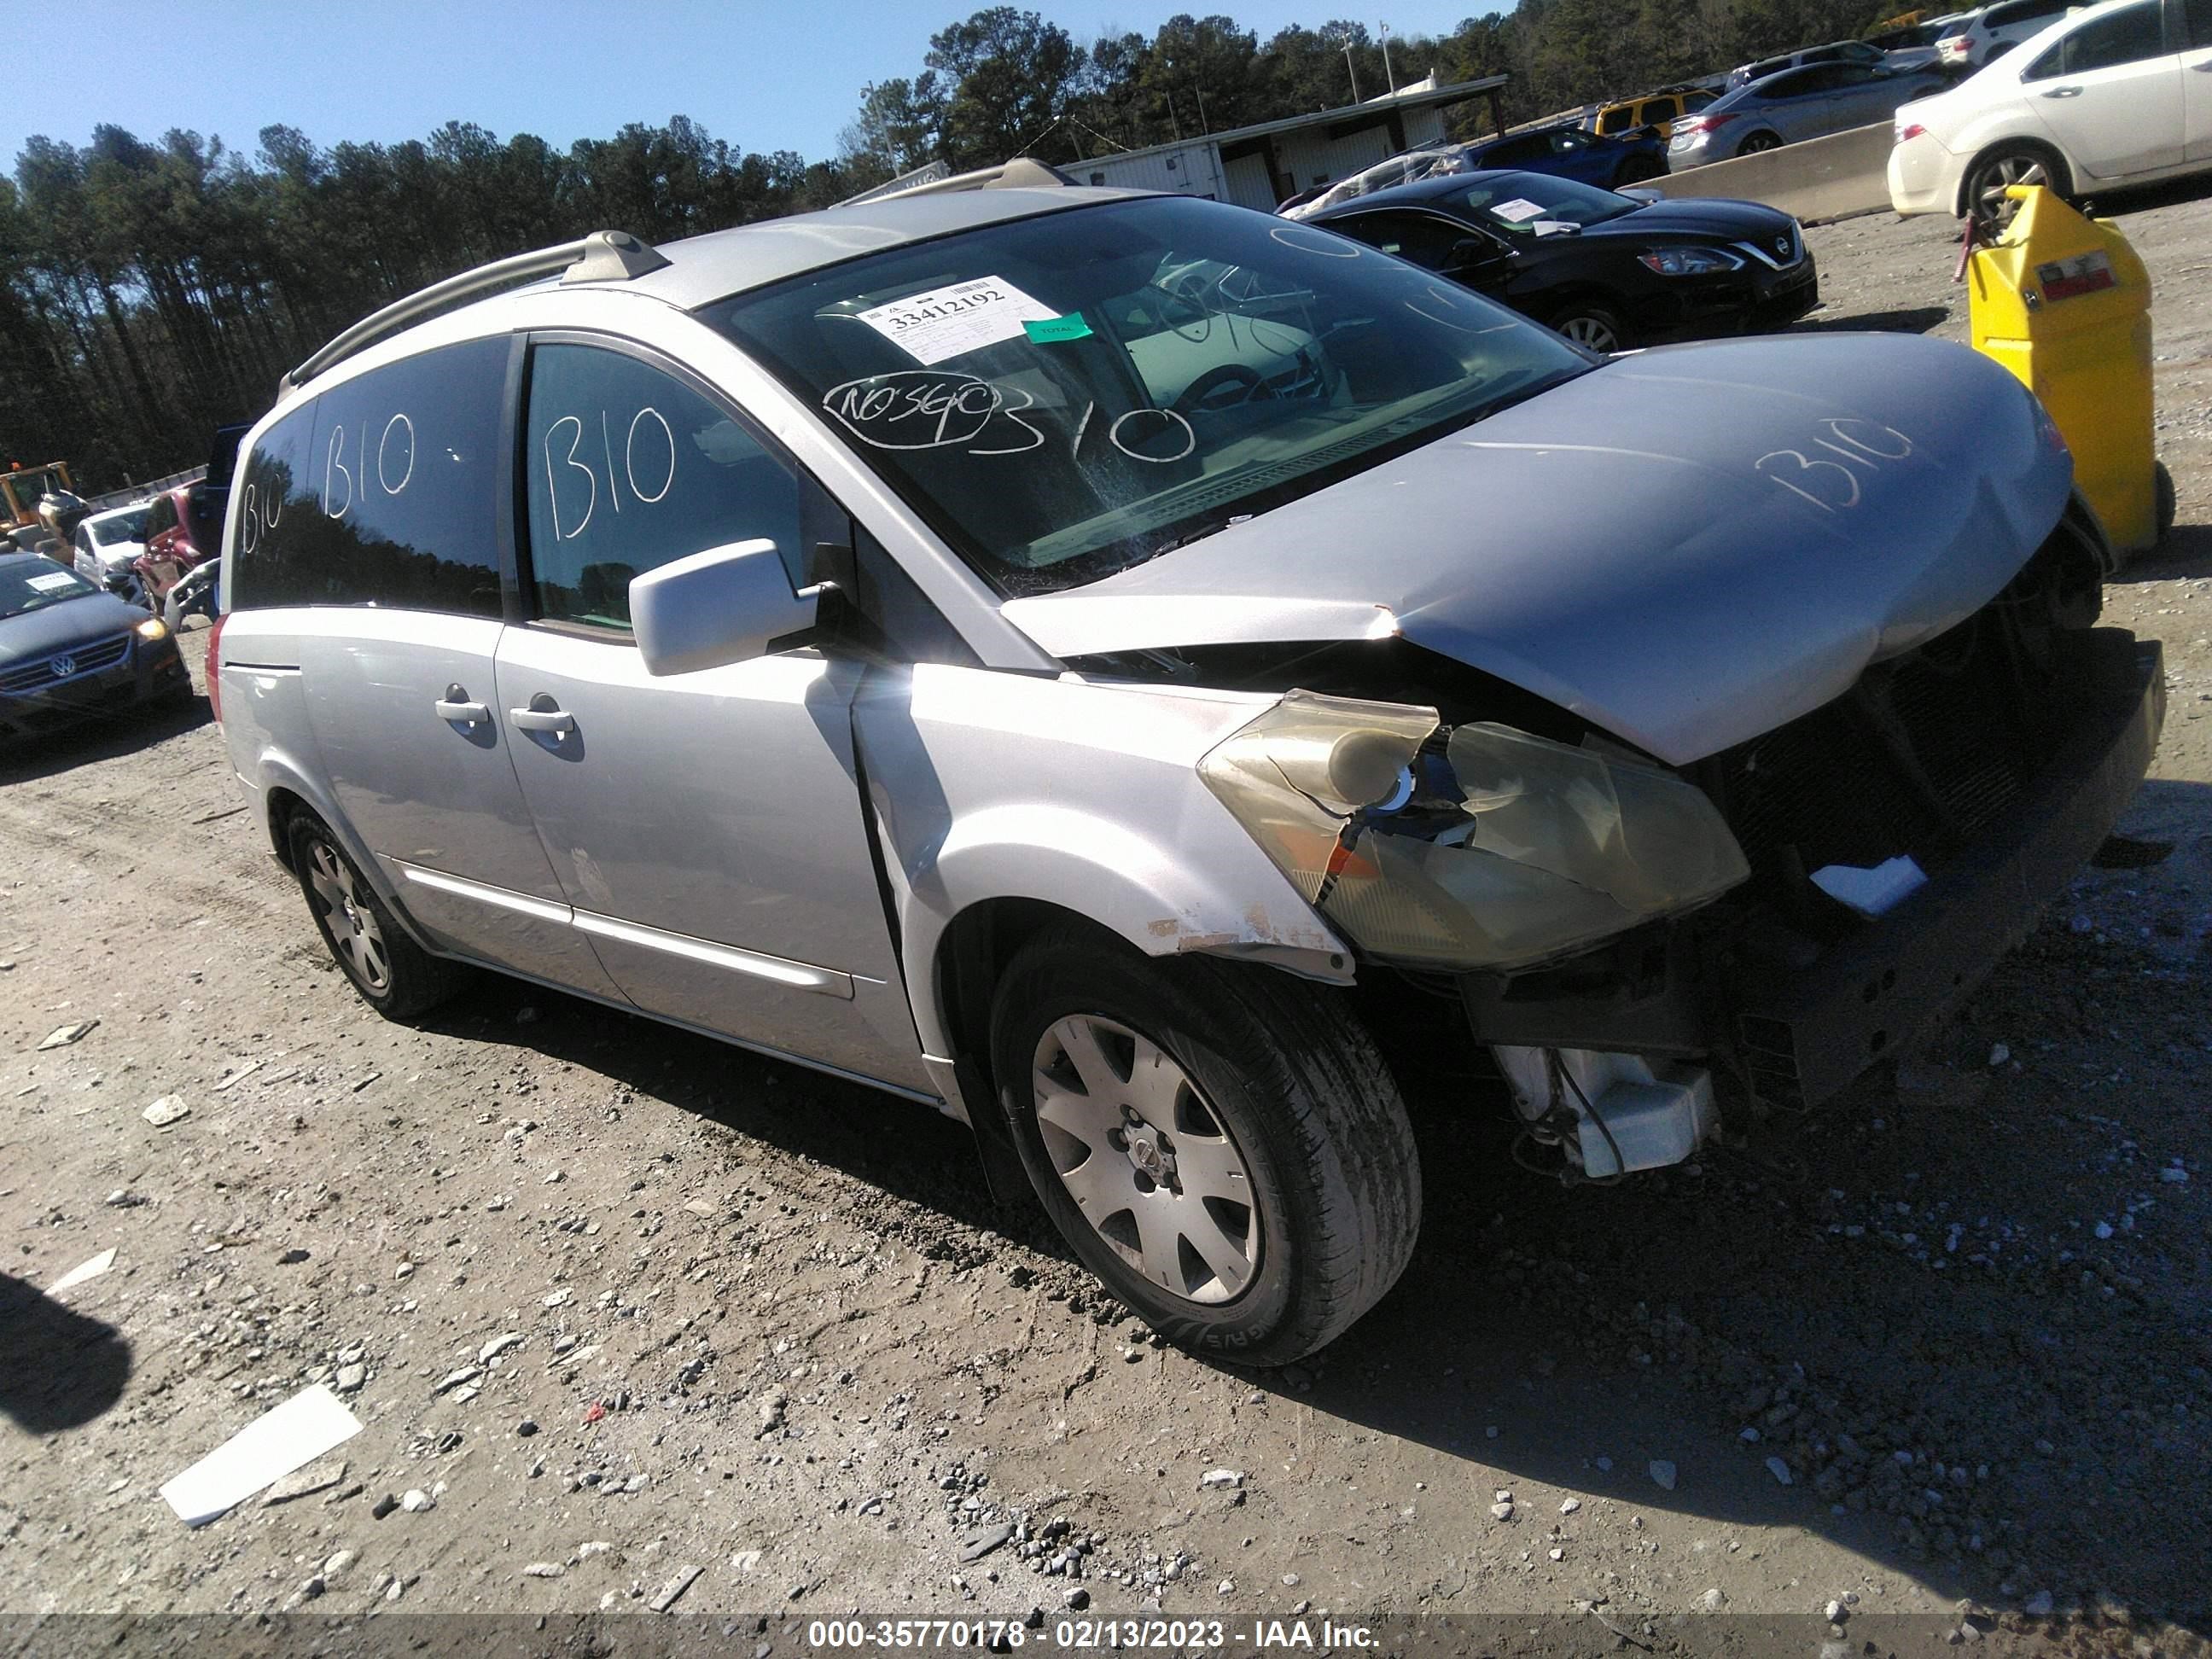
(128, 526)
(34, 584)
(1526, 204)
(1062, 397)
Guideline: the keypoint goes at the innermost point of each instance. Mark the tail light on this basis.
(215, 665)
(1704, 123)
(1910, 131)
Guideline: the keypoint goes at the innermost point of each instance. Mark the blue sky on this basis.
(764, 76)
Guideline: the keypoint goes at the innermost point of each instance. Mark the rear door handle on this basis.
(2064, 92)
(555, 720)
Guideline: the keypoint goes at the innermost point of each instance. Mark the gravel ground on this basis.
(615, 1303)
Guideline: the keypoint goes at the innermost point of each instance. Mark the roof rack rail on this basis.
(1022, 173)
(603, 256)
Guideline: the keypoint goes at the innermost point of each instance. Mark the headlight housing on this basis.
(1689, 261)
(1491, 848)
(152, 630)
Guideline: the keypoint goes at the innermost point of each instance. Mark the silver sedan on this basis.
(1810, 102)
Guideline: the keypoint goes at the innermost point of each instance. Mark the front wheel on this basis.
(1591, 326)
(1222, 1145)
(395, 975)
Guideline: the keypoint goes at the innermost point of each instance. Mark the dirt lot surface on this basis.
(614, 1304)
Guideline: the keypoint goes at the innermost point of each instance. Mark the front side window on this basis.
(2199, 14)
(628, 468)
(1064, 396)
(383, 491)
(1420, 237)
(1567, 141)
(1614, 120)
(2126, 36)
(162, 515)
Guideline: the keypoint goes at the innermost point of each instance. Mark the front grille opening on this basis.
(1923, 755)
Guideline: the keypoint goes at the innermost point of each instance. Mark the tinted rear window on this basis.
(384, 491)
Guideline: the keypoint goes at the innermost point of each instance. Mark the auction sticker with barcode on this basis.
(950, 322)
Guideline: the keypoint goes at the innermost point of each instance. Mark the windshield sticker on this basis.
(1050, 329)
(951, 322)
(933, 408)
(1518, 211)
(47, 583)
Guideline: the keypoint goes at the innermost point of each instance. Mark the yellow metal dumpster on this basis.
(2063, 302)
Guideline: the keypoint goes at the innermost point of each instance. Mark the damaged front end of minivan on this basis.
(1653, 953)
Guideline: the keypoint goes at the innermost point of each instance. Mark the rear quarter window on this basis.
(384, 491)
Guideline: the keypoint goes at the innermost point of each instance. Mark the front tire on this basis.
(1222, 1145)
(394, 975)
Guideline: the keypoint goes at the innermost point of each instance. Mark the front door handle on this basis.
(552, 717)
(2064, 92)
(455, 706)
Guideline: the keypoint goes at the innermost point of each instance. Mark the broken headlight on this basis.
(1476, 846)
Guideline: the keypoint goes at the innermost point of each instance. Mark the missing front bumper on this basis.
(1805, 1035)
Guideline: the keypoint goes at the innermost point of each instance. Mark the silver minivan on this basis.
(1138, 675)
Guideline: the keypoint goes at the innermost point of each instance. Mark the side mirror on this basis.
(727, 604)
(1473, 251)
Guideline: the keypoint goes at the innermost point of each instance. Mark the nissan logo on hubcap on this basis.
(64, 668)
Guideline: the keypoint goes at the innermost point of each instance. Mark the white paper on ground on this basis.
(1870, 892)
(83, 1270)
(265, 1451)
(948, 322)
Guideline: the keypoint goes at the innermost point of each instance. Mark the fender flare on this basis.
(275, 770)
(1106, 872)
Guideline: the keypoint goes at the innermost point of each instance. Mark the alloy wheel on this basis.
(1991, 203)
(1147, 1160)
(1594, 332)
(346, 917)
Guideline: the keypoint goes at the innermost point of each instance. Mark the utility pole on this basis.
(1205, 127)
(1387, 74)
(1354, 70)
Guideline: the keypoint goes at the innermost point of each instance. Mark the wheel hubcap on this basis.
(1590, 331)
(343, 912)
(1152, 1167)
(1997, 208)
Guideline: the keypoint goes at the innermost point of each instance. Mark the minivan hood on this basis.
(1686, 547)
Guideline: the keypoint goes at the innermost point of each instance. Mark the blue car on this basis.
(1572, 152)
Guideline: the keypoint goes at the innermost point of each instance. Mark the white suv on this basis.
(1142, 676)
(1981, 37)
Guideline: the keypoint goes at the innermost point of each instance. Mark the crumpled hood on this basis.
(1686, 547)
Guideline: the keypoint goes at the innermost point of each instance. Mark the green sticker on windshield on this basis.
(1070, 327)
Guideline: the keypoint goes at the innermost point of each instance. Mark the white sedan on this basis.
(2116, 93)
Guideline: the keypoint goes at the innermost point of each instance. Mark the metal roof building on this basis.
(1259, 166)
